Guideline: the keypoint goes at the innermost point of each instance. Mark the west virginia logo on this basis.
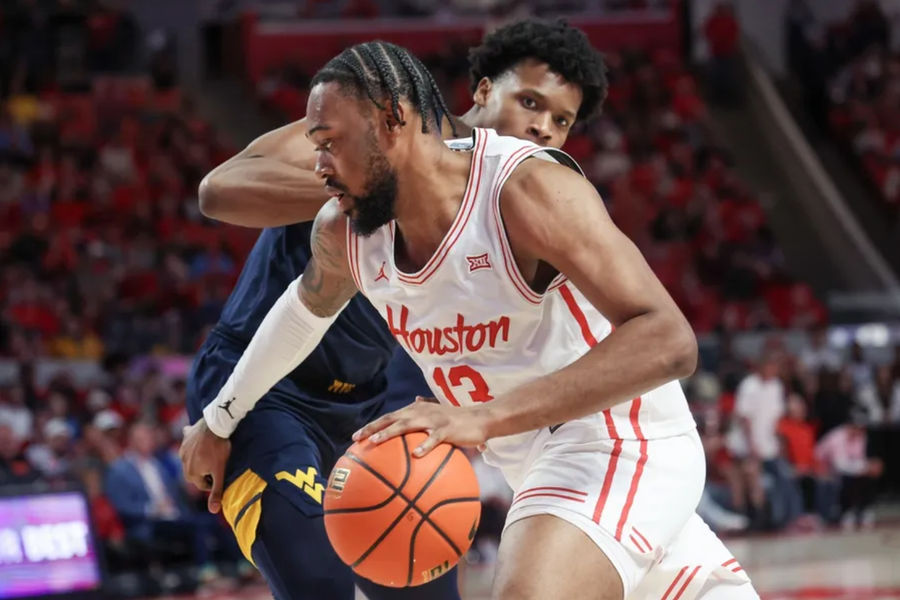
(305, 481)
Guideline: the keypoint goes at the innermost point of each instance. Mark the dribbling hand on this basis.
(466, 426)
(203, 457)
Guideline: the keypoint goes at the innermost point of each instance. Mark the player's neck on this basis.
(461, 127)
(429, 193)
(472, 118)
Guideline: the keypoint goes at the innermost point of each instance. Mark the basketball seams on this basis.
(440, 532)
(397, 490)
(412, 504)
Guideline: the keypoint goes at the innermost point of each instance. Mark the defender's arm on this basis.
(270, 183)
(293, 327)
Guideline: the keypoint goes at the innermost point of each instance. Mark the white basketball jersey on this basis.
(475, 327)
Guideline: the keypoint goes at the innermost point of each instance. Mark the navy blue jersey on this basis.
(346, 368)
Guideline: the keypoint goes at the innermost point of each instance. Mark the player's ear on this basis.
(392, 123)
(482, 92)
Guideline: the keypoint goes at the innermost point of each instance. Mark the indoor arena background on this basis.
(750, 149)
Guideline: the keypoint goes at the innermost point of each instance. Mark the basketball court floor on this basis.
(835, 565)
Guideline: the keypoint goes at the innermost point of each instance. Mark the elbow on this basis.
(212, 197)
(682, 357)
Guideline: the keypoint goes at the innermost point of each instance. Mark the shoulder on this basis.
(540, 195)
(542, 179)
(328, 238)
(330, 224)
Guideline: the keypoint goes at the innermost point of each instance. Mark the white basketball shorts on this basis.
(634, 499)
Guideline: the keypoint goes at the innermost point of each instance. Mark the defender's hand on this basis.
(203, 457)
(461, 426)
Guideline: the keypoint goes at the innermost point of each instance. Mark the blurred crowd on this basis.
(853, 82)
(117, 438)
(102, 246)
(798, 441)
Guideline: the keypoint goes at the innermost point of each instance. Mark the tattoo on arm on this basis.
(313, 277)
(327, 283)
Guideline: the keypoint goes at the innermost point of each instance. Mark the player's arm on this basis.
(556, 216)
(292, 328)
(270, 183)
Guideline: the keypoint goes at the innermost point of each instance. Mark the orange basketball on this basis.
(399, 520)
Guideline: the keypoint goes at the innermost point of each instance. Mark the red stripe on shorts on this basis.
(637, 544)
(641, 535)
(674, 583)
(542, 494)
(607, 481)
(686, 583)
(638, 471)
(555, 489)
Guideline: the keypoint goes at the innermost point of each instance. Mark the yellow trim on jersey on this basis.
(243, 496)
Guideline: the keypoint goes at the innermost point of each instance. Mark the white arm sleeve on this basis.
(287, 335)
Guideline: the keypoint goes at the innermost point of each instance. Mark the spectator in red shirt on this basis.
(798, 437)
(722, 37)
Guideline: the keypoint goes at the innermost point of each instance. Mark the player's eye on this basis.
(324, 147)
(562, 122)
(528, 103)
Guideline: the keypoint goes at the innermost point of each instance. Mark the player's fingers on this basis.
(214, 503)
(376, 425)
(399, 427)
(427, 400)
(435, 437)
(199, 481)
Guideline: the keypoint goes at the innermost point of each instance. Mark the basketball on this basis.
(399, 520)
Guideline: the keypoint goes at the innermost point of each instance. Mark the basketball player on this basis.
(539, 326)
(531, 79)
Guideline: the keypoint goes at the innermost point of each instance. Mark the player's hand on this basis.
(460, 426)
(203, 457)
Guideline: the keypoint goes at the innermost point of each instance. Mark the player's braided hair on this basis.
(381, 70)
(564, 48)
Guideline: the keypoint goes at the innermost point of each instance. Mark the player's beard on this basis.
(376, 207)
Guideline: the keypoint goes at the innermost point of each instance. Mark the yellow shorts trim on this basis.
(242, 507)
